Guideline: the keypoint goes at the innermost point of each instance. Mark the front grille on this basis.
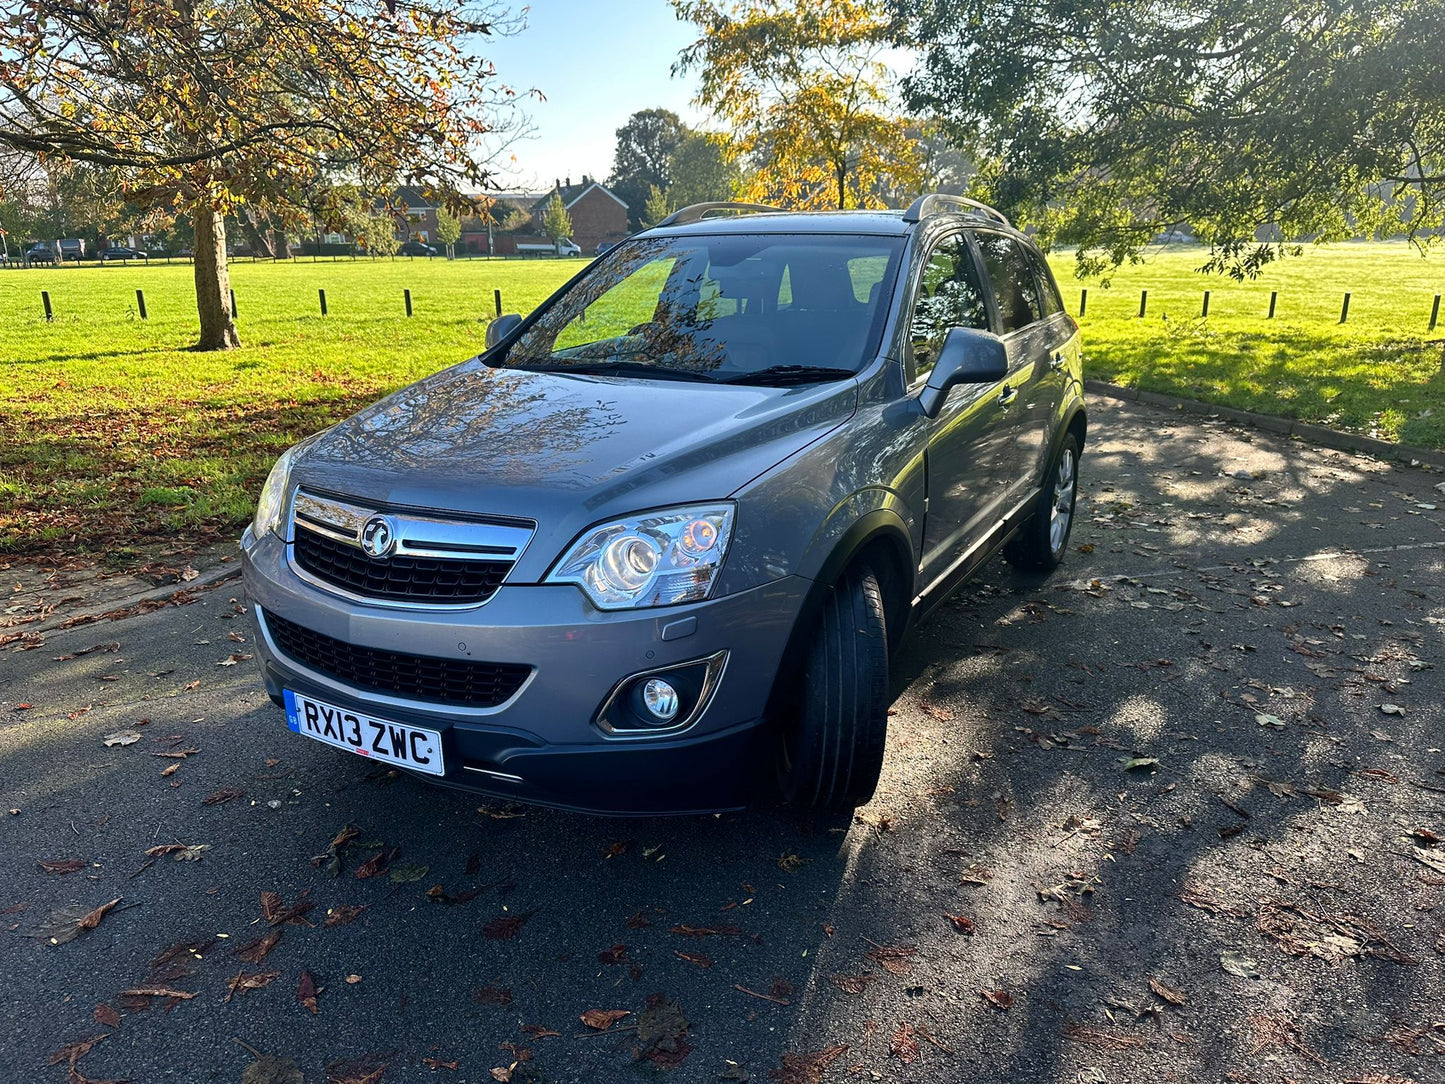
(447, 681)
(398, 578)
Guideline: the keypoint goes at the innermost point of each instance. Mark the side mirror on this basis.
(501, 327)
(969, 356)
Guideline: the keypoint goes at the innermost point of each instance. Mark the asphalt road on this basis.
(1233, 614)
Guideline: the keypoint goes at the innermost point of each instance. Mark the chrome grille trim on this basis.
(418, 535)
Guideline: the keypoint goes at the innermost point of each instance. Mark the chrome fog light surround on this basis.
(626, 712)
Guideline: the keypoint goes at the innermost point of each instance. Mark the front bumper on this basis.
(543, 745)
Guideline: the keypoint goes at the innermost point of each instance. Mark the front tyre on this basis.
(832, 747)
(1041, 542)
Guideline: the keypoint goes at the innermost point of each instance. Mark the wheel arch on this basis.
(878, 538)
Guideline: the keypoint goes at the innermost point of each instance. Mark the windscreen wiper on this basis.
(781, 375)
(617, 368)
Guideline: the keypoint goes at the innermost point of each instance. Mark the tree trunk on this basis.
(213, 283)
(260, 244)
(842, 187)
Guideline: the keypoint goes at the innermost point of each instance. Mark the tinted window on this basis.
(1015, 288)
(1049, 300)
(721, 306)
(949, 295)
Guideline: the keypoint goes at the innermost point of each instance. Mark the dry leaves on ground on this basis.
(249, 980)
(895, 959)
(806, 1068)
(506, 927)
(602, 1019)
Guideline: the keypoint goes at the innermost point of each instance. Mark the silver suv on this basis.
(651, 551)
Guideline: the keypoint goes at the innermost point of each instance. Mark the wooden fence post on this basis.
(1205, 310)
(45, 300)
(407, 294)
(1273, 297)
(140, 303)
(1083, 301)
(234, 314)
(322, 294)
(1345, 308)
(497, 295)
(1143, 302)
(1435, 313)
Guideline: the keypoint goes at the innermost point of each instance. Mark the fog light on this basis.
(660, 699)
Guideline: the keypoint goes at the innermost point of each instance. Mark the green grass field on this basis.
(113, 436)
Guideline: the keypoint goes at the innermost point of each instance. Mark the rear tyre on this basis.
(1041, 542)
(832, 746)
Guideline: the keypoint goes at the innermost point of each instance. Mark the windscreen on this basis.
(721, 308)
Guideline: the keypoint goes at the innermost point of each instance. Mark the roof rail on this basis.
(698, 211)
(938, 203)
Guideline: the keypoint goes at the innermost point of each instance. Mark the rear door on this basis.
(1007, 262)
(970, 438)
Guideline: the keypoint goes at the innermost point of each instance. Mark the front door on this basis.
(971, 437)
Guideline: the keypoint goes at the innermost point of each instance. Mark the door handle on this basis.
(1007, 396)
(1058, 363)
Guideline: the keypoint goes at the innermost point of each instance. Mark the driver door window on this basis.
(949, 295)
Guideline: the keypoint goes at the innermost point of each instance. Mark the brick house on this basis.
(416, 214)
(598, 216)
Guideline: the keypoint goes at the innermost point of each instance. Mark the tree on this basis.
(449, 230)
(204, 109)
(556, 222)
(659, 205)
(645, 145)
(804, 87)
(514, 219)
(1250, 122)
(702, 169)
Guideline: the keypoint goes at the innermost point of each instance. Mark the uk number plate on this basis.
(402, 744)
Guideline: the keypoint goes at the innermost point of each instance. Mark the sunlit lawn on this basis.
(112, 434)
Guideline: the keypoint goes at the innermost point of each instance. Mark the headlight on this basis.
(651, 559)
(273, 496)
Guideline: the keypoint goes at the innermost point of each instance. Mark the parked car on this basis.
(71, 248)
(654, 548)
(568, 247)
(603, 247)
(39, 253)
(416, 248)
(122, 253)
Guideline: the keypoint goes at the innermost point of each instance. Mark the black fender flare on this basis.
(883, 528)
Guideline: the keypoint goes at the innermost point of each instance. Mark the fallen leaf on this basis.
(493, 995)
(961, 923)
(439, 1063)
(903, 1045)
(602, 1019)
(617, 954)
(343, 915)
(352, 980)
(170, 770)
(895, 959)
(225, 794)
(694, 958)
(92, 919)
(377, 863)
(367, 1069)
(104, 1014)
(503, 1073)
(268, 1069)
(852, 984)
(274, 910)
(662, 1034)
(1236, 963)
(158, 991)
(1130, 764)
(506, 927)
(75, 1051)
(177, 754)
(406, 872)
(806, 1068)
(306, 991)
(233, 659)
(253, 952)
(249, 980)
(706, 931)
(1392, 709)
(790, 863)
(1269, 720)
(539, 1031)
(1168, 993)
(999, 999)
(121, 737)
(63, 865)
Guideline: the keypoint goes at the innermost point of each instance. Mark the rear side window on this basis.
(949, 295)
(1015, 286)
(1049, 300)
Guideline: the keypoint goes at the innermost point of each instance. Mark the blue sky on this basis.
(597, 63)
